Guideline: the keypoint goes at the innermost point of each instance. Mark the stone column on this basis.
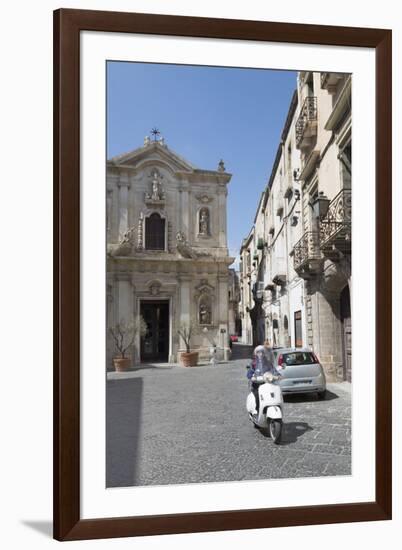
(185, 299)
(124, 298)
(223, 305)
(110, 305)
(222, 193)
(109, 194)
(135, 308)
(124, 186)
(185, 211)
(328, 327)
(184, 313)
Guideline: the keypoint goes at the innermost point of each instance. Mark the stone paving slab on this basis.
(172, 425)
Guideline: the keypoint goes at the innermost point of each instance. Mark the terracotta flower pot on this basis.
(189, 359)
(121, 364)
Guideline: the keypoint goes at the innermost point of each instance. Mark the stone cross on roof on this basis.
(157, 138)
(156, 133)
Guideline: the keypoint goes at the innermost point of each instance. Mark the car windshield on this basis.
(299, 358)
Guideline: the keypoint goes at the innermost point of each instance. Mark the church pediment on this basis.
(153, 154)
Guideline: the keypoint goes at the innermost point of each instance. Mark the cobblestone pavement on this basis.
(170, 425)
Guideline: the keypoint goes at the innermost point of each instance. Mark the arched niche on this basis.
(205, 310)
(204, 222)
(204, 300)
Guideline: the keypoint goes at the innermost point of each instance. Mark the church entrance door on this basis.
(155, 343)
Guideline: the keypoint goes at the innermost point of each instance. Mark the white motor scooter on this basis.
(268, 415)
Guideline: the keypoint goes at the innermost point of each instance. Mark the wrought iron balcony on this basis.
(336, 226)
(306, 254)
(306, 124)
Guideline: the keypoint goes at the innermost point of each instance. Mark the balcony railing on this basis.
(306, 253)
(306, 124)
(336, 226)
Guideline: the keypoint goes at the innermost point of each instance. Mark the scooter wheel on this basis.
(275, 430)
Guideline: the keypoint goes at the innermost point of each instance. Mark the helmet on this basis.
(259, 348)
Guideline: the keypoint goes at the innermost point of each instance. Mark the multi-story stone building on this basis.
(283, 296)
(247, 276)
(277, 308)
(167, 256)
(234, 299)
(323, 255)
(297, 257)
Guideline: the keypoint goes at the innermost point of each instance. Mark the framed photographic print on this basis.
(206, 292)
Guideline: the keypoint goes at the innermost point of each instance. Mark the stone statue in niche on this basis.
(156, 193)
(205, 312)
(204, 222)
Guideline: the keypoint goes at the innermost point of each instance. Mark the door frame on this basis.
(169, 301)
(346, 366)
(295, 327)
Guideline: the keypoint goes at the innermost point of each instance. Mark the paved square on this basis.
(171, 425)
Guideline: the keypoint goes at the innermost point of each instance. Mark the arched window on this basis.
(154, 232)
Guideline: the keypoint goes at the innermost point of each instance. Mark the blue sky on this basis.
(205, 114)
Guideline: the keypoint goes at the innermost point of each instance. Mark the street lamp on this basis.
(320, 205)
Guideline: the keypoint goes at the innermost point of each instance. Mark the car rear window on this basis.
(299, 358)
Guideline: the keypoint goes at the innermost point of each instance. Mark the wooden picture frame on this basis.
(67, 26)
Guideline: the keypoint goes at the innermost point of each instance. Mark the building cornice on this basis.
(247, 240)
(290, 115)
(342, 104)
(311, 163)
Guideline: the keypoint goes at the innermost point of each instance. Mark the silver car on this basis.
(301, 371)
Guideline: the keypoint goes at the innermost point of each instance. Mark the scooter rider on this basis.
(268, 352)
(262, 363)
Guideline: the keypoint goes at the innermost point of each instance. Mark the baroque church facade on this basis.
(167, 255)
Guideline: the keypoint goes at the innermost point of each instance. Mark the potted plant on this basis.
(188, 358)
(124, 335)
